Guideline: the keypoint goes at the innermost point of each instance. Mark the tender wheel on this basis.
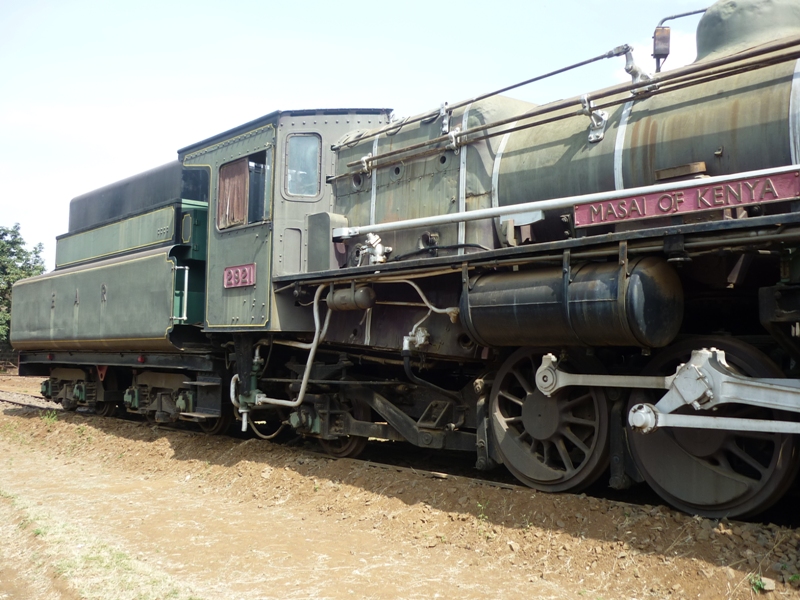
(551, 444)
(349, 446)
(69, 404)
(220, 424)
(710, 472)
(105, 409)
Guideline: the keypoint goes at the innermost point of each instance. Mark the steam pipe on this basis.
(686, 14)
(319, 334)
(392, 127)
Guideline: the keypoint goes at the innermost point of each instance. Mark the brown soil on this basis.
(10, 382)
(101, 508)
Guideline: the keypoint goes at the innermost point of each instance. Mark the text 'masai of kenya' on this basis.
(732, 194)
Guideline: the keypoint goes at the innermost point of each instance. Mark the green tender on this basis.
(89, 307)
(138, 232)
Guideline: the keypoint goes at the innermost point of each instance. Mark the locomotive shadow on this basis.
(471, 511)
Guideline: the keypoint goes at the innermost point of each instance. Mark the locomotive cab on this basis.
(267, 179)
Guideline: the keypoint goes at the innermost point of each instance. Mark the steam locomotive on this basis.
(606, 284)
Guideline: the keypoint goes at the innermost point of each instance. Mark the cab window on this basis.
(303, 165)
(244, 190)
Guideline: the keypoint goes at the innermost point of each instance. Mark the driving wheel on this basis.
(553, 444)
(714, 472)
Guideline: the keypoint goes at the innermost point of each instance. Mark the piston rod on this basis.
(704, 383)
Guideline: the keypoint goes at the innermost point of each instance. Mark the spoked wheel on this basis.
(553, 444)
(220, 424)
(712, 472)
(349, 446)
(105, 409)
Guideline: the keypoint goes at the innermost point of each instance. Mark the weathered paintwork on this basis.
(428, 342)
(127, 303)
(735, 25)
(733, 124)
(153, 228)
(241, 307)
(426, 186)
(135, 195)
(278, 244)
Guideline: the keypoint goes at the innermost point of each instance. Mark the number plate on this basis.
(732, 194)
(239, 276)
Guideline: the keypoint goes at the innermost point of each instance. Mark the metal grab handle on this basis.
(184, 316)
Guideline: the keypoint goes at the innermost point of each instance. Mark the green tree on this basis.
(16, 262)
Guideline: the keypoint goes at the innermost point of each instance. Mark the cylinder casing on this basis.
(594, 304)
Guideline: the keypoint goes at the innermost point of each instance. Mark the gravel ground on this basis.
(100, 508)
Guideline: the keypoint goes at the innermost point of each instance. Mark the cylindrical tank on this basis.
(351, 298)
(594, 304)
(735, 124)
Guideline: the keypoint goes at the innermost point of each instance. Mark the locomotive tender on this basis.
(608, 283)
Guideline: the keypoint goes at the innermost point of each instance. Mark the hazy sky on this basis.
(92, 92)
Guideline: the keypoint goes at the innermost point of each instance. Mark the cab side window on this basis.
(303, 152)
(233, 192)
(244, 190)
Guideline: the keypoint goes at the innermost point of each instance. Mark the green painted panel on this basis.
(194, 232)
(139, 232)
(246, 307)
(89, 307)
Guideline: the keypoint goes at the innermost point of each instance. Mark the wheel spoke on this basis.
(722, 473)
(582, 399)
(734, 449)
(572, 420)
(565, 458)
(567, 433)
(530, 428)
(523, 381)
(508, 396)
(724, 464)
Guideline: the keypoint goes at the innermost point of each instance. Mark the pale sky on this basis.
(95, 91)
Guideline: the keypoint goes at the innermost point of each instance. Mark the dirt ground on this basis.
(104, 508)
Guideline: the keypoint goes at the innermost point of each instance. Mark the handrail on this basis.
(694, 74)
(341, 233)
